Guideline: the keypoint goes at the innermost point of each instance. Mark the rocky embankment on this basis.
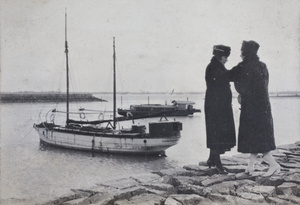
(197, 184)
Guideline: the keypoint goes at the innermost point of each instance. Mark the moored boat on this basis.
(177, 108)
(103, 135)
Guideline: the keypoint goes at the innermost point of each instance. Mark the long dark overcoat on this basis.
(251, 79)
(220, 129)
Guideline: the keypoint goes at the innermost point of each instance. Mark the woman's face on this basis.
(223, 60)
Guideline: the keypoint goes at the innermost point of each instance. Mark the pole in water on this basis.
(93, 145)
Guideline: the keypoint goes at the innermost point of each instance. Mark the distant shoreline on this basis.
(21, 97)
(24, 97)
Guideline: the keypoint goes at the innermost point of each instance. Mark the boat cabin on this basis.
(183, 105)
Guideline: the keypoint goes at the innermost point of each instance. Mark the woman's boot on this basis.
(250, 168)
(219, 165)
(273, 165)
(210, 162)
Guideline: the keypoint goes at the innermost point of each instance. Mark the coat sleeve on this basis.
(243, 80)
(234, 73)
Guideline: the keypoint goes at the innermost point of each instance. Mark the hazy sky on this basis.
(161, 45)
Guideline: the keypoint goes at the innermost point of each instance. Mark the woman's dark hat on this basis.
(249, 48)
(221, 50)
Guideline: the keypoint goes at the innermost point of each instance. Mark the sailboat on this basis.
(103, 135)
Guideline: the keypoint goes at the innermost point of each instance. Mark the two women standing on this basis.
(256, 133)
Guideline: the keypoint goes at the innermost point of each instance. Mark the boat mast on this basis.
(67, 66)
(114, 59)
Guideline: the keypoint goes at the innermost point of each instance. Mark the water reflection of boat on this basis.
(103, 135)
(178, 108)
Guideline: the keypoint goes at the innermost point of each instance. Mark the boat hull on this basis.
(167, 113)
(110, 141)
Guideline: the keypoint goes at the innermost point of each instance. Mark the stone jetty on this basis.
(42, 97)
(197, 184)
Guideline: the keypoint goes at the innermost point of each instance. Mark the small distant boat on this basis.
(177, 108)
(104, 135)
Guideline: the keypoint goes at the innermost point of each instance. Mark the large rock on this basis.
(236, 168)
(290, 165)
(270, 181)
(225, 188)
(196, 180)
(293, 177)
(120, 183)
(160, 186)
(193, 189)
(188, 199)
(243, 175)
(170, 172)
(99, 198)
(274, 200)
(201, 170)
(147, 177)
(145, 199)
(216, 179)
(171, 201)
(263, 190)
(290, 198)
(255, 198)
(289, 189)
(235, 200)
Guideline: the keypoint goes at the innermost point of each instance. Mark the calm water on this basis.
(30, 173)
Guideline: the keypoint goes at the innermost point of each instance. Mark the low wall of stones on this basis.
(197, 184)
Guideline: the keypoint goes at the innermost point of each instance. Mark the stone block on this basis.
(235, 200)
(270, 181)
(243, 175)
(192, 173)
(128, 193)
(289, 147)
(288, 189)
(229, 162)
(160, 193)
(79, 201)
(160, 186)
(290, 198)
(193, 189)
(196, 180)
(145, 178)
(122, 183)
(200, 170)
(225, 188)
(145, 199)
(193, 167)
(179, 180)
(255, 198)
(99, 198)
(169, 172)
(274, 200)
(171, 201)
(217, 198)
(62, 199)
(290, 165)
(236, 169)
(188, 199)
(263, 190)
(293, 177)
(216, 179)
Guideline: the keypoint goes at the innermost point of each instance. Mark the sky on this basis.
(161, 45)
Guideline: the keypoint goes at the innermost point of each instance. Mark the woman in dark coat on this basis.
(256, 133)
(220, 130)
